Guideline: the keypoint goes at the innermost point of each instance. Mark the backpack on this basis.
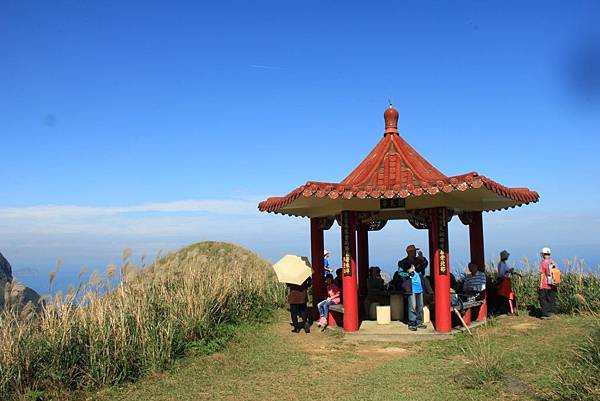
(555, 274)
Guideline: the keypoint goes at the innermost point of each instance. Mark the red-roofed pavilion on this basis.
(395, 182)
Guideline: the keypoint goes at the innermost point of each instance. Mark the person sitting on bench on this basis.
(475, 281)
(375, 281)
(338, 281)
(375, 290)
(333, 298)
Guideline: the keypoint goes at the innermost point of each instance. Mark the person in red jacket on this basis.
(333, 298)
(547, 287)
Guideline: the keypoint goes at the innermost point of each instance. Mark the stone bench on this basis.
(336, 315)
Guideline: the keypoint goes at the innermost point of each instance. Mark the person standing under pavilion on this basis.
(413, 258)
(411, 270)
(326, 269)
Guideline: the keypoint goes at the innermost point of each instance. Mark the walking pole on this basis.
(462, 321)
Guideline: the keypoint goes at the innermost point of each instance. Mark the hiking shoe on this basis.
(422, 326)
(412, 328)
(544, 317)
(295, 330)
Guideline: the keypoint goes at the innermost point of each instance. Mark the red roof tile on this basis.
(394, 169)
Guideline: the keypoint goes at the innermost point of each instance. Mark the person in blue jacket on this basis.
(411, 270)
(326, 269)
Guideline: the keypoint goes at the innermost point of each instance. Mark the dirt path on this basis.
(325, 345)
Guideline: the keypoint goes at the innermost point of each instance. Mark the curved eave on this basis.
(467, 192)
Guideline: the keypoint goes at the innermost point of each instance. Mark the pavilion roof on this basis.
(394, 169)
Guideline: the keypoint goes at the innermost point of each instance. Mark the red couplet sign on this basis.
(441, 270)
(349, 271)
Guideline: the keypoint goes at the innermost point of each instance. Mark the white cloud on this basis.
(38, 235)
(50, 212)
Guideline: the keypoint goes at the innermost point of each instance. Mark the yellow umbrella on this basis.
(293, 269)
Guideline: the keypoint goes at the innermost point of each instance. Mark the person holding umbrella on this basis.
(297, 299)
(295, 272)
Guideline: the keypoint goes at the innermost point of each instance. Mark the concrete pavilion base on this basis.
(398, 332)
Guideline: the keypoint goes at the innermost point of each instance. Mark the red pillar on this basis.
(316, 254)
(441, 270)
(477, 254)
(362, 232)
(349, 271)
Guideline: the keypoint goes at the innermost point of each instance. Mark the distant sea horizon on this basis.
(37, 276)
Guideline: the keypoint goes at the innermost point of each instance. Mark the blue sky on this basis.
(151, 125)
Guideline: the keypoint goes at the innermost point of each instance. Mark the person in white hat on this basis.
(547, 288)
(504, 285)
(326, 269)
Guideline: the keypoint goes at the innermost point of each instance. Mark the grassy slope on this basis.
(98, 336)
(269, 363)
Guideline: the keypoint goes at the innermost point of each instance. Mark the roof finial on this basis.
(391, 119)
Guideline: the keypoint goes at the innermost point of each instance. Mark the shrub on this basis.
(102, 334)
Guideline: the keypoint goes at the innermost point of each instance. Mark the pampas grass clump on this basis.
(103, 333)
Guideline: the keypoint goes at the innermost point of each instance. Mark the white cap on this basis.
(326, 252)
(546, 251)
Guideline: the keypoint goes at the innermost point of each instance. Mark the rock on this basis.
(5, 270)
(14, 295)
(17, 296)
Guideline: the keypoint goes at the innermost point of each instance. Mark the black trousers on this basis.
(548, 301)
(299, 310)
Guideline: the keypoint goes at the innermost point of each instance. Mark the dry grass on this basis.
(487, 363)
(97, 335)
(578, 292)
